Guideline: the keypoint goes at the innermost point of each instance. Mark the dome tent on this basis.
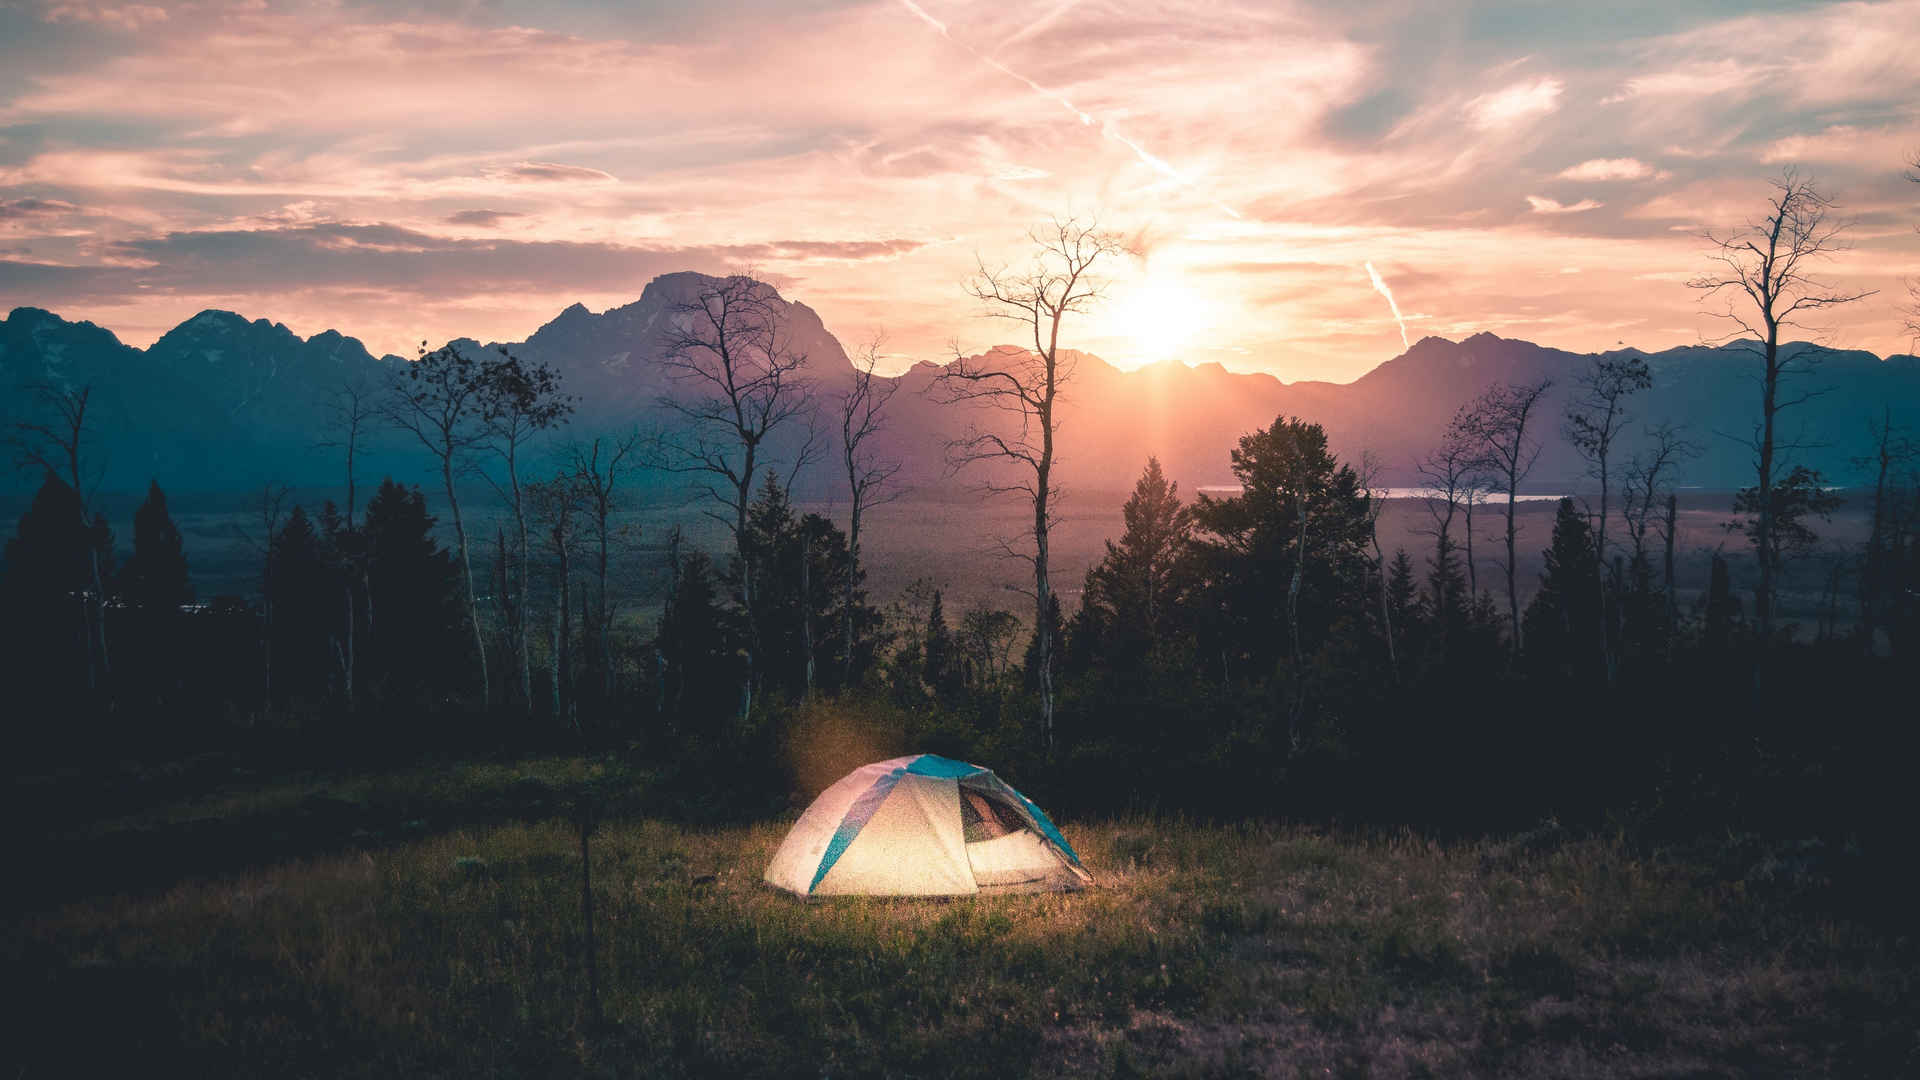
(923, 825)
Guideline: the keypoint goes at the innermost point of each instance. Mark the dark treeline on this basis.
(1259, 654)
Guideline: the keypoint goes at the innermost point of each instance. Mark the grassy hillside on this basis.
(1264, 948)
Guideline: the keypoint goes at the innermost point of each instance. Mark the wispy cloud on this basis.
(435, 169)
(1542, 205)
(1515, 103)
(1602, 169)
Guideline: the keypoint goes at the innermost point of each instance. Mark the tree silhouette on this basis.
(1135, 589)
(1498, 425)
(731, 345)
(1022, 392)
(1595, 417)
(1767, 273)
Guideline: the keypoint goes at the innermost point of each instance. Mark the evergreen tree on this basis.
(1283, 558)
(155, 576)
(803, 579)
(1562, 620)
(44, 590)
(1778, 525)
(941, 666)
(1136, 590)
(1403, 593)
(701, 647)
(1722, 606)
(305, 612)
(417, 647)
(154, 585)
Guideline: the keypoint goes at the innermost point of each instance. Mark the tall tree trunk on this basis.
(1513, 591)
(523, 600)
(806, 605)
(1473, 573)
(1673, 612)
(466, 566)
(1386, 609)
(1043, 632)
(1607, 659)
(603, 619)
(846, 600)
(1763, 528)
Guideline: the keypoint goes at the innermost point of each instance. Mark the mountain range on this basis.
(221, 403)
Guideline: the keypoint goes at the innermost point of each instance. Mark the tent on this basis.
(923, 825)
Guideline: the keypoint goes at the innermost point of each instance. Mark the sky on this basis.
(420, 171)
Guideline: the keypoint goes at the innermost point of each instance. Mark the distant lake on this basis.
(1399, 493)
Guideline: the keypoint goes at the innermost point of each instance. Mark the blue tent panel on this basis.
(942, 768)
(857, 817)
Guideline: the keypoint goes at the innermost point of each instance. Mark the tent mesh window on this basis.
(983, 818)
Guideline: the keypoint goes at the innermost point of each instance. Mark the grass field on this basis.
(1260, 949)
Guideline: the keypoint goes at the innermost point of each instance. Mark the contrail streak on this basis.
(1140, 153)
(1380, 286)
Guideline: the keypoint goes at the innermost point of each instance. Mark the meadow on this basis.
(427, 921)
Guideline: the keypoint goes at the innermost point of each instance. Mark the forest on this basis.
(1257, 654)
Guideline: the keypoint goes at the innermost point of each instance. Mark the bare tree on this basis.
(57, 445)
(731, 344)
(441, 399)
(520, 400)
(1913, 284)
(557, 505)
(1595, 417)
(1647, 484)
(353, 409)
(1497, 424)
(265, 544)
(1765, 273)
(869, 477)
(1024, 390)
(597, 469)
(1647, 479)
(1450, 471)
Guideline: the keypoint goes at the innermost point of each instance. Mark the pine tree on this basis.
(155, 576)
(154, 585)
(700, 644)
(1722, 606)
(940, 671)
(1563, 618)
(417, 647)
(1403, 593)
(305, 615)
(1136, 589)
(44, 594)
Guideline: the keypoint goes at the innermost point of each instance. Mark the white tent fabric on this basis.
(898, 828)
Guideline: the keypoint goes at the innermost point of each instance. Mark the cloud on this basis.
(118, 16)
(18, 209)
(486, 219)
(1548, 206)
(1600, 169)
(1515, 104)
(549, 172)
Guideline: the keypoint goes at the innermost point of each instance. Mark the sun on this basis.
(1156, 316)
